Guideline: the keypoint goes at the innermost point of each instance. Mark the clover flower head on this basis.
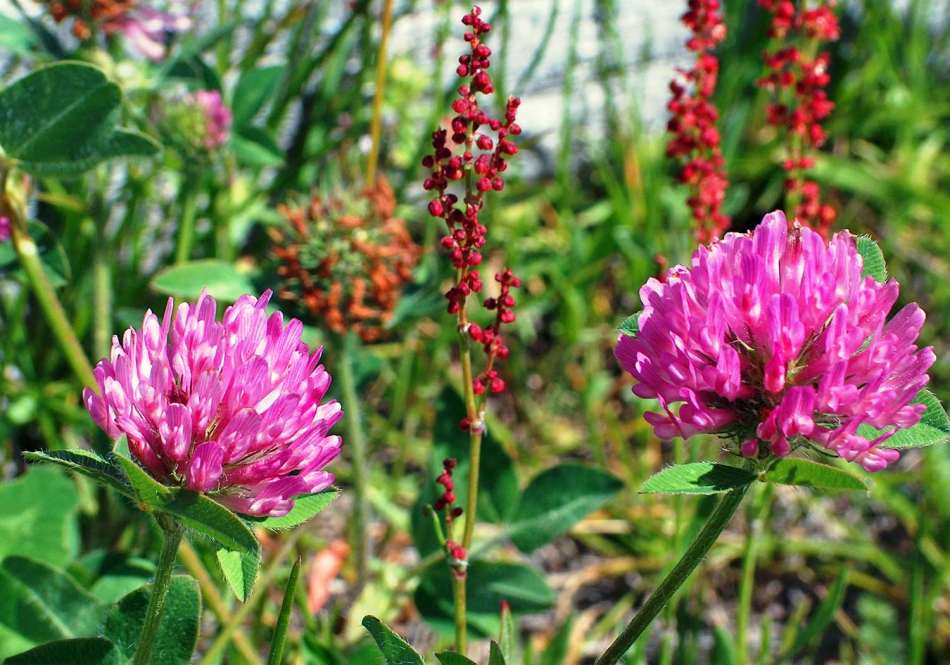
(217, 117)
(232, 407)
(776, 339)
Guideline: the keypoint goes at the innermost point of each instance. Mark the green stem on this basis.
(186, 227)
(29, 256)
(753, 536)
(356, 444)
(676, 577)
(101, 291)
(377, 121)
(156, 599)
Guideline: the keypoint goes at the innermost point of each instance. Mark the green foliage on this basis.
(452, 658)
(823, 615)
(395, 649)
(557, 499)
(37, 516)
(239, 569)
(305, 508)
(86, 463)
(80, 651)
(178, 631)
(806, 473)
(697, 478)
(283, 619)
(873, 257)
(51, 253)
(61, 120)
(630, 325)
(222, 280)
(254, 88)
(933, 428)
(556, 651)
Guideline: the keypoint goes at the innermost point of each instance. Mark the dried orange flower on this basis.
(344, 260)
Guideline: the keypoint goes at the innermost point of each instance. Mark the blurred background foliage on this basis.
(855, 579)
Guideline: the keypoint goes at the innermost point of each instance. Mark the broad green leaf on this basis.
(452, 658)
(81, 651)
(395, 650)
(933, 428)
(305, 507)
(256, 148)
(557, 499)
(489, 584)
(222, 280)
(697, 478)
(178, 630)
(60, 119)
(254, 88)
(873, 259)
(283, 619)
(121, 577)
(240, 570)
(823, 615)
(41, 603)
(87, 463)
(495, 655)
(630, 325)
(38, 516)
(196, 511)
(806, 473)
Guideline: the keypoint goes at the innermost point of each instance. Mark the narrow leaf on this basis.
(82, 651)
(252, 91)
(178, 630)
(305, 508)
(495, 655)
(557, 499)
(873, 259)
(697, 478)
(283, 620)
(556, 651)
(806, 473)
(395, 650)
(823, 615)
(506, 635)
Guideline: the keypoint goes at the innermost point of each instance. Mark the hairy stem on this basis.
(677, 576)
(156, 600)
(381, 68)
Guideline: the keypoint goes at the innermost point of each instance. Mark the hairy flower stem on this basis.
(677, 576)
(356, 444)
(29, 256)
(381, 67)
(757, 515)
(156, 600)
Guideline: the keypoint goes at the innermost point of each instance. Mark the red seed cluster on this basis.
(88, 14)
(474, 153)
(695, 138)
(797, 77)
(447, 500)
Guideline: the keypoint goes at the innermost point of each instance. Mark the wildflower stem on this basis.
(381, 67)
(186, 227)
(461, 630)
(156, 601)
(677, 576)
(356, 443)
(757, 516)
(102, 290)
(29, 256)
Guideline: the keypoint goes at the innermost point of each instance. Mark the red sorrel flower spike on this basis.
(474, 148)
(797, 77)
(695, 138)
(776, 339)
(233, 407)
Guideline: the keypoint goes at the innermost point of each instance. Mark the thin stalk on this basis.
(29, 256)
(192, 563)
(101, 290)
(229, 630)
(186, 226)
(381, 69)
(458, 595)
(677, 576)
(356, 443)
(669, 613)
(156, 600)
(757, 517)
